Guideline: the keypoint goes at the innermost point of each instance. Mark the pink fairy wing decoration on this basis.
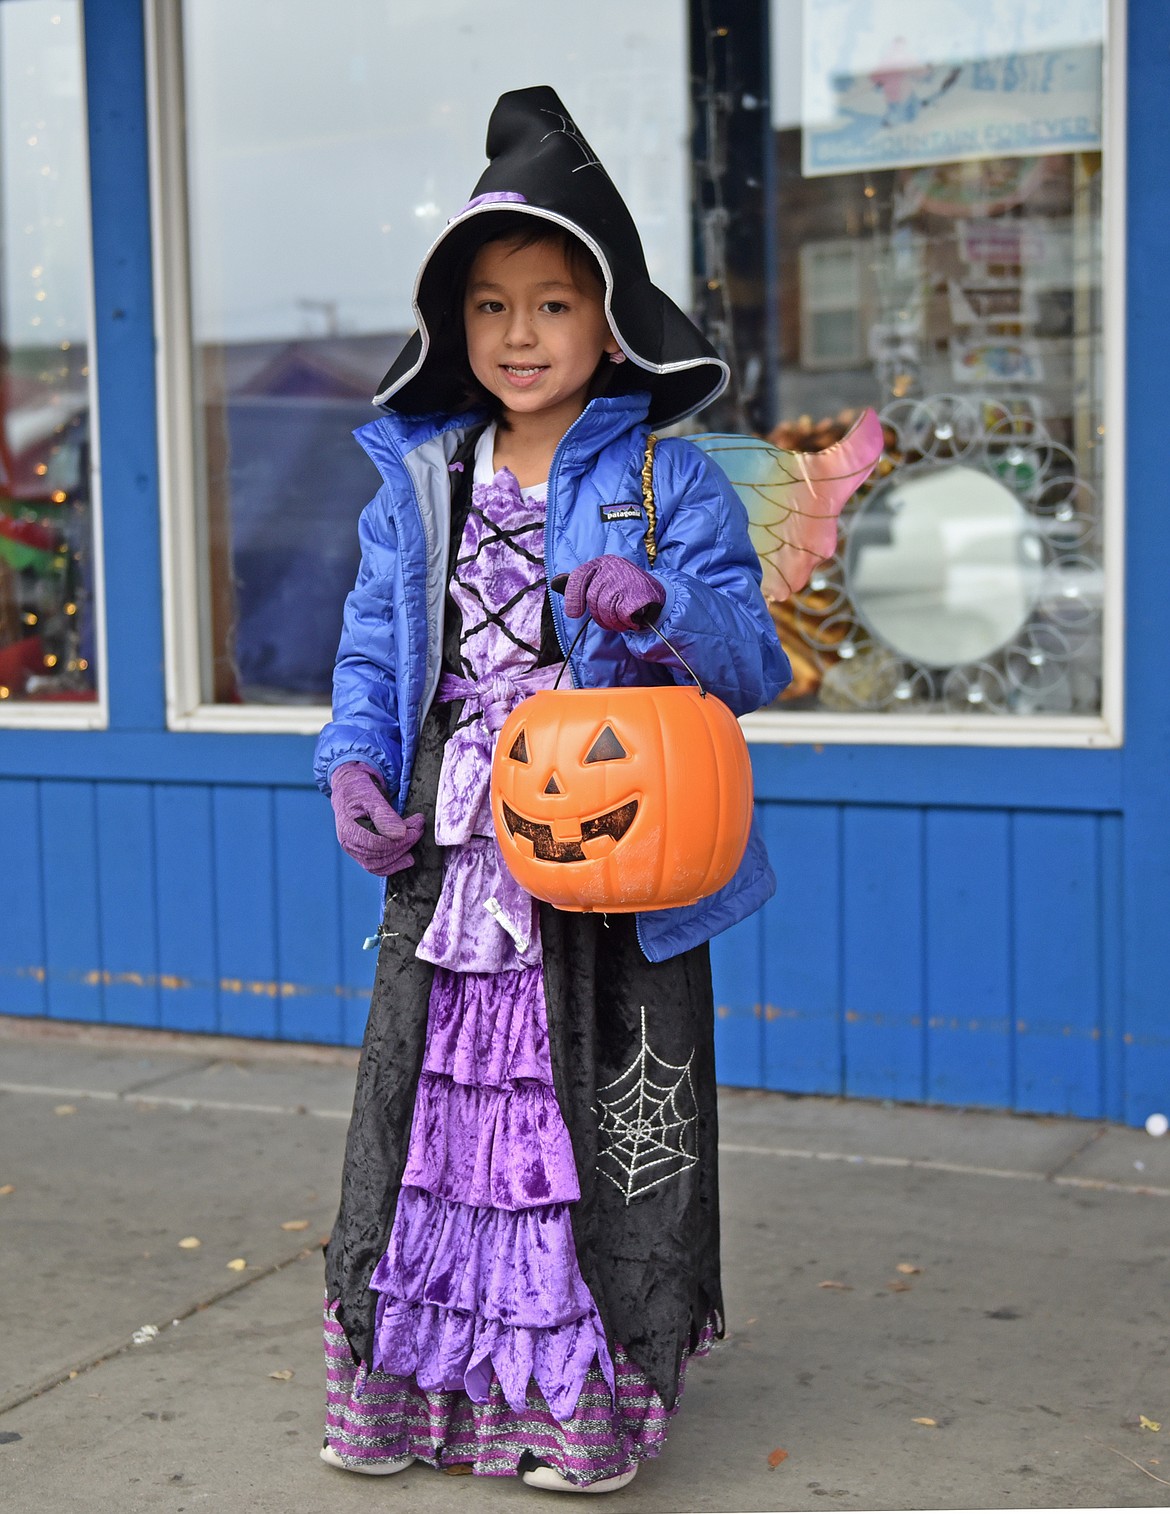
(793, 499)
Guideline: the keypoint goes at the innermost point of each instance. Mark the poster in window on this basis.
(898, 83)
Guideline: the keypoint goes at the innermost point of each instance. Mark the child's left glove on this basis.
(618, 594)
(369, 828)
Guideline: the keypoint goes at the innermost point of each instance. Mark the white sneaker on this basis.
(552, 1482)
(371, 1468)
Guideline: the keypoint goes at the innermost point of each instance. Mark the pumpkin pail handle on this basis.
(559, 583)
(576, 639)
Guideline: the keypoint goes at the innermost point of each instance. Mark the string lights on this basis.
(45, 524)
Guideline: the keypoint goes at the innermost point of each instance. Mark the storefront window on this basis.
(325, 147)
(937, 204)
(47, 626)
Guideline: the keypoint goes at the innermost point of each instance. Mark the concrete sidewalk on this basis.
(927, 1309)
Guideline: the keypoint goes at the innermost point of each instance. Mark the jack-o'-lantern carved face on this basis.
(621, 799)
(596, 835)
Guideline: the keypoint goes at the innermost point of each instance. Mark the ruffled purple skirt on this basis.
(479, 1281)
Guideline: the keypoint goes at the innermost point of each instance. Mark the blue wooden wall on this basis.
(951, 955)
(201, 907)
(955, 956)
(968, 925)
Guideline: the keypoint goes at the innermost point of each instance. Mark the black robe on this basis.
(646, 1226)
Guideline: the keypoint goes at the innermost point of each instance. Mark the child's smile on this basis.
(522, 377)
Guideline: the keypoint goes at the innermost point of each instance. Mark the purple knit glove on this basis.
(616, 593)
(368, 826)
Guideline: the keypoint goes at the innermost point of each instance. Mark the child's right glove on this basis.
(369, 828)
(618, 594)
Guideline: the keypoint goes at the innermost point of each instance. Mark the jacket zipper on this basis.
(557, 611)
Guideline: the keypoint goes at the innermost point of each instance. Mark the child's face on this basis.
(535, 331)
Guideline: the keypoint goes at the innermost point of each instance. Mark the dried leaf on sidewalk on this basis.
(65, 1109)
(776, 1457)
(237, 1264)
(844, 1287)
(898, 1286)
(285, 1375)
(932, 1423)
(458, 1469)
(1149, 1424)
(190, 1243)
(907, 1267)
(7, 1189)
(295, 1225)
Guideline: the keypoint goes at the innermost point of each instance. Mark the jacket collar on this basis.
(603, 419)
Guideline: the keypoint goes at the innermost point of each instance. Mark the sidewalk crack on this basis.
(1093, 1136)
(68, 1374)
(166, 1077)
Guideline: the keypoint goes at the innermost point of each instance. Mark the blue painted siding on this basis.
(881, 921)
(1113, 1104)
(308, 917)
(801, 925)
(70, 887)
(245, 911)
(123, 816)
(1056, 904)
(207, 909)
(22, 901)
(188, 949)
(953, 956)
(968, 956)
(735, 970)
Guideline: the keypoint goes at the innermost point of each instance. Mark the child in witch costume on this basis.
(515, 1281)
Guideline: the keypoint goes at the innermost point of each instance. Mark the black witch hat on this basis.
(540, 165)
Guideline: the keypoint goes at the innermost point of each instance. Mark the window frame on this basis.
(180, 524)
(78, 715)
(182, 537)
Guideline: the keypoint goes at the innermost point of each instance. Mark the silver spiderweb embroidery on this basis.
(648, 1114)
(568, 128)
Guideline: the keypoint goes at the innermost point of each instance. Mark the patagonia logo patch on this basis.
(622, 512)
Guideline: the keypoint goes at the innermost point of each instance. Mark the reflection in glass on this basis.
(46, 531)
(942, 566)
(324, 156)
(938, 187)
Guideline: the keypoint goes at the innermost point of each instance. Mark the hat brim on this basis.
(684, 372)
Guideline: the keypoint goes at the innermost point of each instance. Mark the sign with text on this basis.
(896, 83)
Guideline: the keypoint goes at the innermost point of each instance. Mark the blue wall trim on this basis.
(115, 69)
(1025, 778)
(1145, 965)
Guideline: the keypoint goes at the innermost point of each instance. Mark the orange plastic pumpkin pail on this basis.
(632, 798)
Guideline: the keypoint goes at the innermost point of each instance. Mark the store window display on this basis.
(47, 566)
(938, 183)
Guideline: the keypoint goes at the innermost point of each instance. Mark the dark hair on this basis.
(449, 340)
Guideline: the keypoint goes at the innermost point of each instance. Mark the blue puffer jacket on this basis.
(388, 663)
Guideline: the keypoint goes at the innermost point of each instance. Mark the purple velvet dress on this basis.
(488, 1343)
